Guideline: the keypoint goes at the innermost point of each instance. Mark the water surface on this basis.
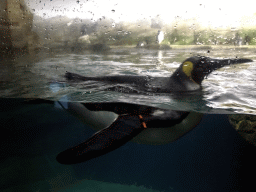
(227, 90)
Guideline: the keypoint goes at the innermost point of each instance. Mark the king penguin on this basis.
(132, 118)
(188, 77)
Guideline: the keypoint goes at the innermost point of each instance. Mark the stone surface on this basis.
(245, 125)
(16, 26)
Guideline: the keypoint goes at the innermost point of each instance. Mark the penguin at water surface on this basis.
(188, 77)
(132, 119)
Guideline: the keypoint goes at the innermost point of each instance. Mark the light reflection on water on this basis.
(227, 90)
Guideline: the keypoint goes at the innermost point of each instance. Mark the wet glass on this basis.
(46, 39)
(43, 39)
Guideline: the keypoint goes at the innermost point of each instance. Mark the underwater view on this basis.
(101, 96)
(211, 156)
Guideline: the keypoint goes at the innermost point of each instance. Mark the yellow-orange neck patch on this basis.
(187, 68)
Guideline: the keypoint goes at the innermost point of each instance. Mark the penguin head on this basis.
(198, 67)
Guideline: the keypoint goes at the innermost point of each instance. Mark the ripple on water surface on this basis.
(230, 89)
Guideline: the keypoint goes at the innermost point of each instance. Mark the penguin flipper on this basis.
(117, 134)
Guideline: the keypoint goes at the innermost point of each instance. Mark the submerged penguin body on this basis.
(132, 120)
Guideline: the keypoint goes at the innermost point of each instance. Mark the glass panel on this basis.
(157, 55)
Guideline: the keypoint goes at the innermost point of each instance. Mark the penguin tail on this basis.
(74, 77)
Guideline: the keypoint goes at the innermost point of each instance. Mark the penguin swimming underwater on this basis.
(132, 120)
(188, 77)
(125, 122)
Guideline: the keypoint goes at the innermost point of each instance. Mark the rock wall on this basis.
(15, 26)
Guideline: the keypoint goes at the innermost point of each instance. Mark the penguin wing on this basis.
(117, 134)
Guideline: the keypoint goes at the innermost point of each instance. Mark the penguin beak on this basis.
(207, 65)
(219, 63)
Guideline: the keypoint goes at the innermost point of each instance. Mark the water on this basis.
(211, 157)
(228, 90)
